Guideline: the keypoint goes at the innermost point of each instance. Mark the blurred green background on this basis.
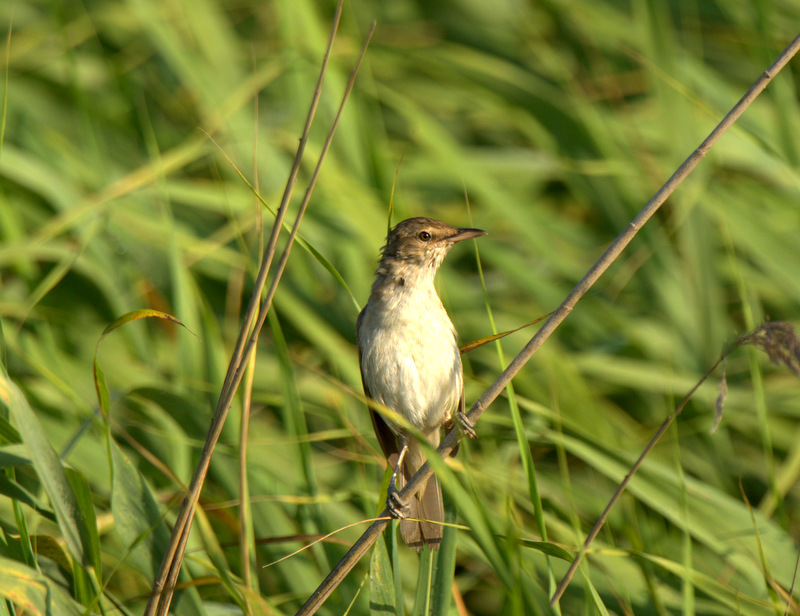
(556, 121)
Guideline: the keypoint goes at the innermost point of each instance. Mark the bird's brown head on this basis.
(423, 242)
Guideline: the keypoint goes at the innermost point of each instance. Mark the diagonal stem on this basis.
(684, 170)
(601, 265)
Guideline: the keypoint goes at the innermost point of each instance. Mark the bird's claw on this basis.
(397, 507)
(467, 425)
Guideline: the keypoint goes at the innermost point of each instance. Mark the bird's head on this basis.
(423, 242)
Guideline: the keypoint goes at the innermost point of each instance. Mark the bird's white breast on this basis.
(409, 357)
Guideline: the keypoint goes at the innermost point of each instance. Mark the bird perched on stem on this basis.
(410, 364)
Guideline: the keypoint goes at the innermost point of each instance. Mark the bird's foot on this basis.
(467, 425)
(398, 508)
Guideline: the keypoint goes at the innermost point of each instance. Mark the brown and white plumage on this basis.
(409, 359)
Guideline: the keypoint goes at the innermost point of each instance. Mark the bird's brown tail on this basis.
(425, 505)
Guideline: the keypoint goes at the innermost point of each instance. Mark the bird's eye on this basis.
(424, 236)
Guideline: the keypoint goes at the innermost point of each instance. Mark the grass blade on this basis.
(70, 516)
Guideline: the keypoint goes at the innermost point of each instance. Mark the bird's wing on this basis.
(384, 434)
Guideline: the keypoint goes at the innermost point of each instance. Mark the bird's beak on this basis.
(465, 234)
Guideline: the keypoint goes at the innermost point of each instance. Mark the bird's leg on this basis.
(397, 506)
(466, 424)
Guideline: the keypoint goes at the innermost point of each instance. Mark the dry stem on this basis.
(164, 584)
(602, 264)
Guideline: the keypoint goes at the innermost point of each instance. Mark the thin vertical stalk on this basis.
(164, 584)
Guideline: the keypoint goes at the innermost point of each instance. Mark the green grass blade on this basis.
(71, 520)
(382, 597)
(424, 587)
(137, 515)
(442, 589)
(35, 593)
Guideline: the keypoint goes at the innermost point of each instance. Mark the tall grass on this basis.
(559, 120)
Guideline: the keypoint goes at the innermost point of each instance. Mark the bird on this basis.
(410, 363)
